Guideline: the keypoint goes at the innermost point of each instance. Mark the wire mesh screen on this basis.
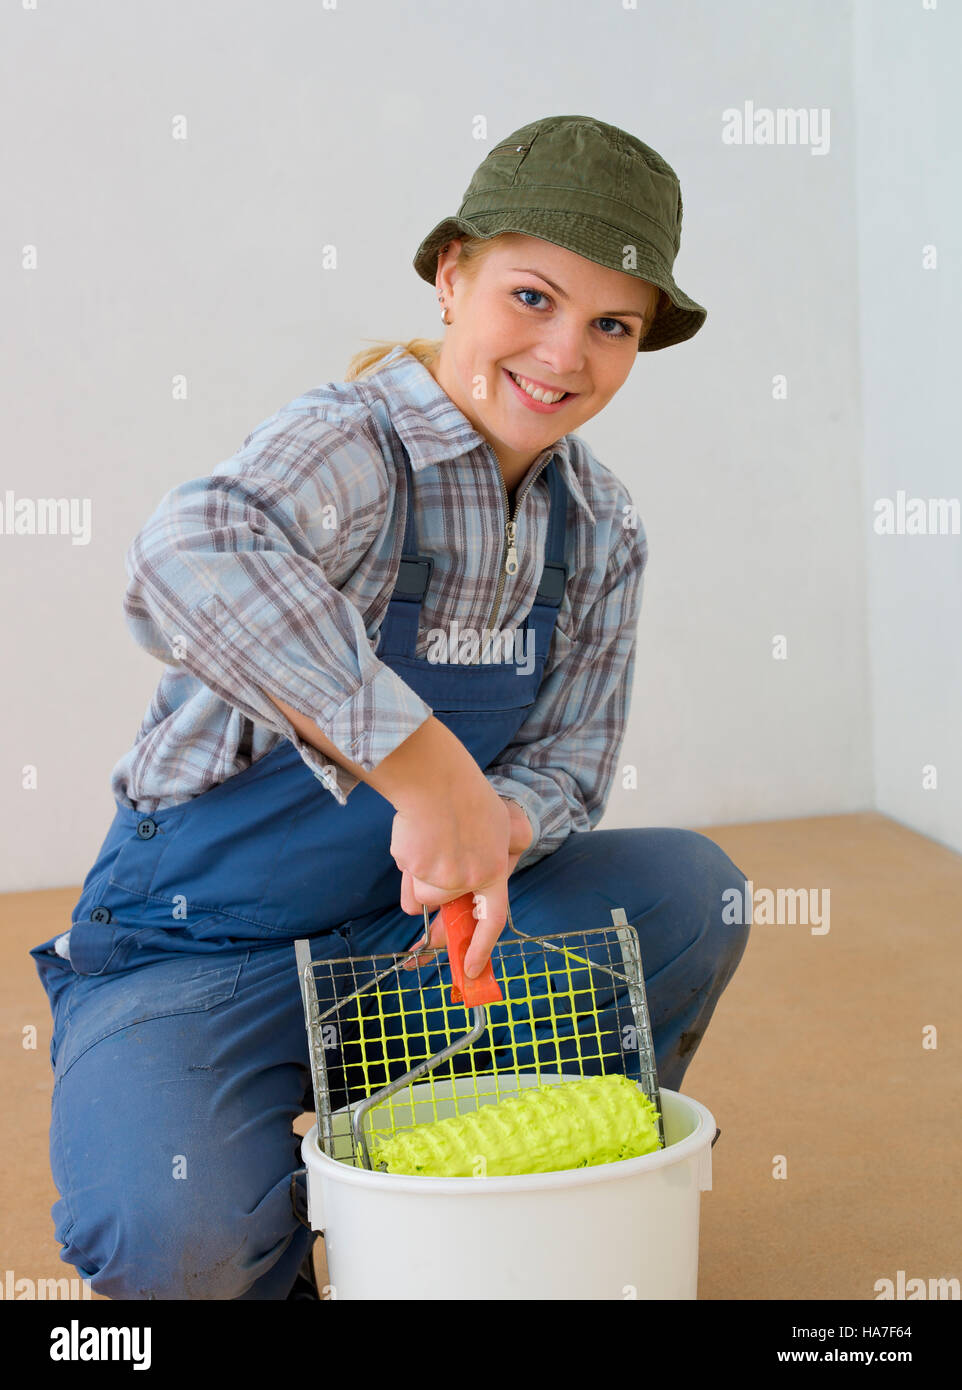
(574, 1005)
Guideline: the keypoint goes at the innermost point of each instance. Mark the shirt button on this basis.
(147, 829)
(100, 914)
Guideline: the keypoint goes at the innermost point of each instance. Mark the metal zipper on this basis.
(517, 148)
(510, 561)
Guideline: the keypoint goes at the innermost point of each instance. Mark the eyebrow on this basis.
(624, 313)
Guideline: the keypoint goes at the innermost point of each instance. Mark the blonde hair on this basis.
(427, 350)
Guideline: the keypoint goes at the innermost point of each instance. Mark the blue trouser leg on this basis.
(171, 1140)
(176, 1084)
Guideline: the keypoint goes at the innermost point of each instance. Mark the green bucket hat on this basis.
(587, 186)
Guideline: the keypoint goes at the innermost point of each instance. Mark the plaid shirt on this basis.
(274, 573)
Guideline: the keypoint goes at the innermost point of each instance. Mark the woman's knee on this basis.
(685, 889)
(679, 887)
(710, 891)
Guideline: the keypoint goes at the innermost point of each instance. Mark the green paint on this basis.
(543, 1129)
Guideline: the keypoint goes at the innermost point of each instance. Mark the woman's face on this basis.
(544, 313)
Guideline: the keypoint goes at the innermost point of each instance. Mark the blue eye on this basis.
(625, 329)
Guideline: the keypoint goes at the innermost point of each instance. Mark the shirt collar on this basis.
(434, 429)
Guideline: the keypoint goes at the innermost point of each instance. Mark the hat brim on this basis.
(596, 241)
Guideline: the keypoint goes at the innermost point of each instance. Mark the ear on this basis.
(447, 260)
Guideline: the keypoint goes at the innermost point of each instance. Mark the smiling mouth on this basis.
(541, 395)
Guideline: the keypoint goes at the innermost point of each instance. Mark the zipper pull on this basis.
(511, 563)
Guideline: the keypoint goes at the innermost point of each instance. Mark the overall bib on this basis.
(269, 855)
(178, 1032)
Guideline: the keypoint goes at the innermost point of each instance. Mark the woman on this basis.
(297, 597)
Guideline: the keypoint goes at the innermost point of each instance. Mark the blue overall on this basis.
(179, 1047)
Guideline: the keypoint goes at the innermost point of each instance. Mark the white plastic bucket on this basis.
(614, 1231)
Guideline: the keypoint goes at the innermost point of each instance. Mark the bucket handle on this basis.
(704, 1167)
(704, 1171)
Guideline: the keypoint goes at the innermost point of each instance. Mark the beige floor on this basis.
(815, 1054)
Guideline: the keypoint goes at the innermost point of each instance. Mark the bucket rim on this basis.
(700, 1138)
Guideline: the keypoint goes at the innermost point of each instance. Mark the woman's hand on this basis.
(452, 832)
(491, 899)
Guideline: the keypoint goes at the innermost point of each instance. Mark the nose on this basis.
(562, 350)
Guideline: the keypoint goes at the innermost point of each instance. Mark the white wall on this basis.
(909, 181)
(353, 126)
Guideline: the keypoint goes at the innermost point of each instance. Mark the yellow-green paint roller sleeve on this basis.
(542, 1129)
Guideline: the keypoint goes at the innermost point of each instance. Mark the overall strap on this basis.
(399, 630)
(555, 573)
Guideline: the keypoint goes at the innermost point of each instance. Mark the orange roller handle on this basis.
(459, 925)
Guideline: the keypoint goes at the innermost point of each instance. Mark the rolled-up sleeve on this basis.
(561, 764)
(236, 578)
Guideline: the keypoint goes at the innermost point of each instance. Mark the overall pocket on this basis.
(99, 1006)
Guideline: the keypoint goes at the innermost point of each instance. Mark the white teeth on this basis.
(535, 392)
